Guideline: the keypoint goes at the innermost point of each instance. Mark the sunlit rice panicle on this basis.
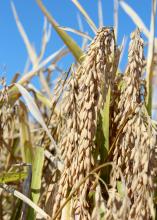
(136, 156)
(131, 91)
(81, 107)
(135, 150)
(7, 117)
(70, 113)
(8, 120)
(69, 141)
(95, 76)
(130, 97)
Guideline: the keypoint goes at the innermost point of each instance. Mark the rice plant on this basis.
(85, 148)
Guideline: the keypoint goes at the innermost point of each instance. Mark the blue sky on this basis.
(13, 54)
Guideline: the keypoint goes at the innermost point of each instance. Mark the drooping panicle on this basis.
(68, 142)
(95, 75)
(135, 149)
(131, 91)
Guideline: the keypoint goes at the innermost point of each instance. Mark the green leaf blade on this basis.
(69, 42)
(8, 177)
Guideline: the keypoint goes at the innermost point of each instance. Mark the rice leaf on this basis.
(106, 119)
(36, 178)
(45, 39)
(80, 33)
(30, 49)
(100, 13)
(13, 92)
(37, 173)
(7, 177)
(45, 85)
(25, 199)
(120, 189)
(39, 67)
(69, 42)
(150, 55)
(25, 137)
(85, 14)
(33, 109)
(45, 101)
(104, 135)
(115, 15)
(135, 18)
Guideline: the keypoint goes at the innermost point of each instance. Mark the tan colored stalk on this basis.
(150, 60)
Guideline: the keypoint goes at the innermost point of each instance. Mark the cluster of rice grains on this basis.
(7, 124)
(131, 186)
(134, 157)
(7, 129)
(68, 142)
(87, 95)
(96, 74)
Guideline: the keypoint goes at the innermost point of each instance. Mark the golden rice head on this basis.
(135, 154)
(131, 91)
(68, 142)
(136, 146)
(7, 123)
(95, 76)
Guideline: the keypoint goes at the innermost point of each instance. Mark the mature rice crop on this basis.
(85, 148)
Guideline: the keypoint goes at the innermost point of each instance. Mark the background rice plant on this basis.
(88, 149)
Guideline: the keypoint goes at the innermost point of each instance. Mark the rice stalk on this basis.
(150, 57)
